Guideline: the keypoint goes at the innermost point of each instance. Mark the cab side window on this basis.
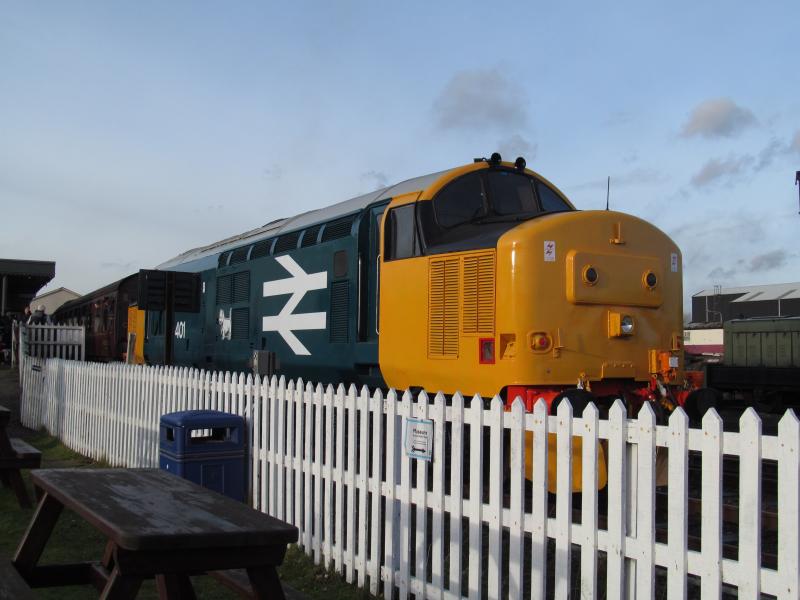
(551, 201)
(400, 233)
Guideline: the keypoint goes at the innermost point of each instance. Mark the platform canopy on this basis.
(21, 280)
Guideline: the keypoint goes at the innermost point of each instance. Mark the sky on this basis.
(133, 131)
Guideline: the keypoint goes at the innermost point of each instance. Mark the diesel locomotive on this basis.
(481, 279)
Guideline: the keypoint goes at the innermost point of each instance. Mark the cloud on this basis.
(378, 179)
(772, 151)
(273, 173)
(516, 145)
(766, 262)
(769, 261)
(716, 170)
(120, 266)
(735, 167)
(720, 274)
(795, 145)
(720, 117)
(638, 176)
(483, 99)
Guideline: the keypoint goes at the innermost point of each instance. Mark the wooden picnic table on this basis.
(157, 525)
(15, 454)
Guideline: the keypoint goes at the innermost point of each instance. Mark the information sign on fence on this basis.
(419, 439)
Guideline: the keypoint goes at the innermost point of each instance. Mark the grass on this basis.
(74, 540)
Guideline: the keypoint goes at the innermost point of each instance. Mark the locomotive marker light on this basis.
(298, 285)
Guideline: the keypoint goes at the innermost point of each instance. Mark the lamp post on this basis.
(797, 183)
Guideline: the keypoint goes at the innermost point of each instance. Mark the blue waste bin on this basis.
(206, 447)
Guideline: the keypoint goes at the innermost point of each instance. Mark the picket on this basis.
(333, 462)
(711, 494)
(677, 518)
(789, 506)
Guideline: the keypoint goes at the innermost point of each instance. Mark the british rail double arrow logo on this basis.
(298, 285)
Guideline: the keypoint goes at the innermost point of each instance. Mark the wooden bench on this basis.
(12, 585)
(16, 454)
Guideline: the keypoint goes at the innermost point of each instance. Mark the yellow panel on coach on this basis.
(136, 320)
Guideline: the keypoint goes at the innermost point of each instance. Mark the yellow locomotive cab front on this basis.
(492, 283)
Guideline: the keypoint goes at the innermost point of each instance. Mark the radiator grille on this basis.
(340, 307)
(443, 308)
(239, 255)
(287, 242)
(338, 229)
(310, 236)
(240, 323)
(478, 294)
(261, 249)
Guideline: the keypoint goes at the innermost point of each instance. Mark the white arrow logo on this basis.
(298, 285)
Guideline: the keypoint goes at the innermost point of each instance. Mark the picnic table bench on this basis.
(12, 585)
(157, 525)
(15, 454)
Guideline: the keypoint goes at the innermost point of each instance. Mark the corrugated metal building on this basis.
(719, 304)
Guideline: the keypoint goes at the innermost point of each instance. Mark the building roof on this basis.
(23, 279)
(56, 291)
(758, 293)
(205, 257)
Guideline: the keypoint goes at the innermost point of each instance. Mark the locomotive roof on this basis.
(205, 257)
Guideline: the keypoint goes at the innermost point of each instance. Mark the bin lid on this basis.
(201, 419)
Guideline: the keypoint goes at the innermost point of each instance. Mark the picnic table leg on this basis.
(175, 586)
(265, 582)
(18, 485)
(108, 556)
(33, 542)
(121, 587)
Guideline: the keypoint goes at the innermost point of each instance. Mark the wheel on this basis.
(699, 401)
(579, 399)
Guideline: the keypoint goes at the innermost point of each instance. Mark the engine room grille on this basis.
(340, 306)
(443, 308)
(224, 289)
(241, 286)
(478, 276)
(240, 323)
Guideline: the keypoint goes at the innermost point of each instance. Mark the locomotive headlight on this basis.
(620, 325)
(626, 325)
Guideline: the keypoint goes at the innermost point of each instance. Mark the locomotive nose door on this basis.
(369, 282)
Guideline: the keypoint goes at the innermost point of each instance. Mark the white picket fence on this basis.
(330, 461)
(53, 341)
